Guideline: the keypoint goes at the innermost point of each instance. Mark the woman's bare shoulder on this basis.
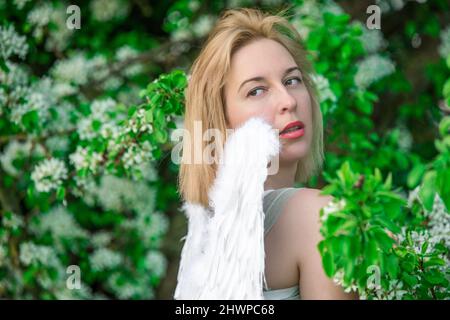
(309, 198)
(303, 214)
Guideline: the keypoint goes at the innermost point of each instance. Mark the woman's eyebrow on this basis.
(259, 78)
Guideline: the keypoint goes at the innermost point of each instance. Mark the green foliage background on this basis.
(86, 117)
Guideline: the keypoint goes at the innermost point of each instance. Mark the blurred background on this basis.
(90, 93)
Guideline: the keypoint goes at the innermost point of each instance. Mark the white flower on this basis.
(58, 143)
(444, 47)
(105, 258)
(60, 223)
(323, 88)
(73, 70)
(106, 10)
(16, 76)
(405, 140)
(99, 114)
(439, 222)
(58, 38)
(38, 97)
(82, 159)
(126, 288)
(40, 15)
(395, 291)
(12, 221)
(48, 175)
(372, 40)
(181, 34)
(78, 69)
(63, 89)
(156, 263)
(388, 5)
(137, 154)
(194, 5)
(20, 3)
(332, 207)
(372, 69)
(203, 25)
(12, 43)
(159, 225)
(115, 193)
(101, 239)
(113, 83)
(31, 253)
(125, 53)
(13, 151)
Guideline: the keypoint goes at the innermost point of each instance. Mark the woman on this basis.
(253, 65)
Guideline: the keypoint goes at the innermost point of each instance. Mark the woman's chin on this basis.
(294, 152)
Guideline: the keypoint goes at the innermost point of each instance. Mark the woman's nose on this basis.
(286, 101)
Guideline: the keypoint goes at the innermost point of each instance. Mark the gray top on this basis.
(273, 203)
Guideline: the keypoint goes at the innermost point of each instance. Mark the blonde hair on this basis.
(205, 98)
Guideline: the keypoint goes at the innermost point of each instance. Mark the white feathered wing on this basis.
(223, 254)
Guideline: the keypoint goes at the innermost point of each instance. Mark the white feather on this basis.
(223, 254)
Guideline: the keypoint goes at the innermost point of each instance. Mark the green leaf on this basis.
(424, 247)
(371, 251)
(131, 111)
(179, 79)
(415, 175)
(3, 66)
(444, 126)
(388, 182)
(446, 89)
(383, 239)
(328, 264)
(409, 279)
(61, 193)
(96, 125)
(428, 189)
(386, 222)
(392, 267)
(434, 277)
(160, 135)
(149, 116)
(434, 261)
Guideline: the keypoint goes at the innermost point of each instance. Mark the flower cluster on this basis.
(439, 222)
(77, 69)
(49, 175)
(156, 263)
(45, 14)
(125, 288)
(83, 159)
(105, 258)
(372, 40)
(136, 155)
(323, 88)
(60, 223)
(31, 253)
(444, 47)
(372, 69)
(106, 10)
(332, 207)
(11, 43)
(99, 122)
(16, 150)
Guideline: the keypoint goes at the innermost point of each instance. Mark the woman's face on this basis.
(278, 95)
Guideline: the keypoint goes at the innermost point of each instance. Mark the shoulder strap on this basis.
(273, 203)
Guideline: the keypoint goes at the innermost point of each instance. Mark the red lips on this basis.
(293, 124)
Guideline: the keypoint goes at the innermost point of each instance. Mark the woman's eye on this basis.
(296, 78)
(252, 93)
